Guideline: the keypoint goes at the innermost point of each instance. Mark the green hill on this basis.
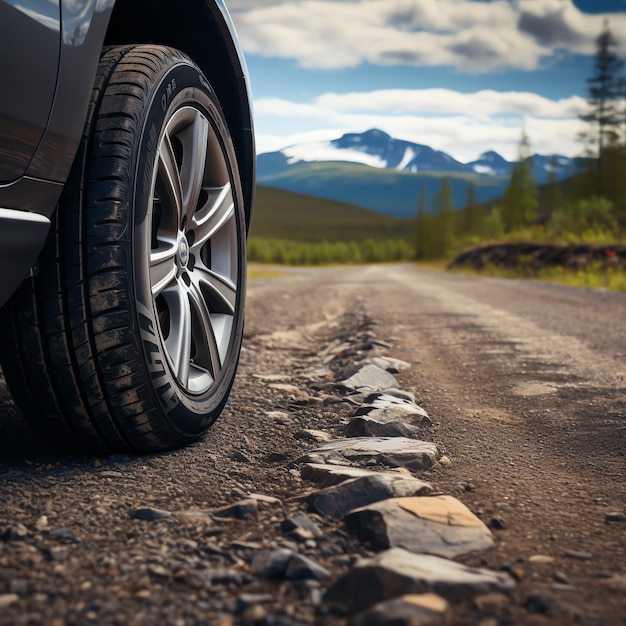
(385, 191)
(291, 216)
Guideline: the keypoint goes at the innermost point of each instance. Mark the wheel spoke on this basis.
(178, 342)
(218, 210)
(220, 292)
(170, 178)
(207, 351)
(162, 267)
(194, 162)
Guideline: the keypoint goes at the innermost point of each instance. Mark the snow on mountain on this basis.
(376, 148)
(327, 151)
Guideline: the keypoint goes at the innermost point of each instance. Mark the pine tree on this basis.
(444, 224)
(605, 87)
(519, 203)
(422, 228)
(553, 194)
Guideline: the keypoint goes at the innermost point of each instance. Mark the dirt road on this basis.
(524, 383)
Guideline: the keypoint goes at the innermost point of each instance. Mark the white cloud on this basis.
(465, 34)
(482, 103)
(462, 125)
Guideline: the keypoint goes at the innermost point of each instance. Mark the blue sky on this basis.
(462, 76)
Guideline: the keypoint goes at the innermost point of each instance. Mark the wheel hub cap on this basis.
(183, 252)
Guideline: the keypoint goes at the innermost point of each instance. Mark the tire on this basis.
(128, 338)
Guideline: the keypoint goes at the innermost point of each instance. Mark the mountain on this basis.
(380, 173)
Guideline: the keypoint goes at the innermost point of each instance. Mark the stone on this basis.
(318, 436)
(398, 572)
(14, 533)
(579, 555)
(271, 563)
(391, 365)
(615, 516)
(365, 426)
(542, 559)
(369, 377)
(7, 599)
(440, 525)
(405, 411)
(425, 609)
(297, 395)
(303, 523)
(149, 515)
(63, 534)
(411, 454)
(244, 509)
(301, 568)
(386, 398)
(339, 500)
(327, 475)
(538, 602)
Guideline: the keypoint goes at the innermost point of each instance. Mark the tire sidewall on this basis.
(180, 85)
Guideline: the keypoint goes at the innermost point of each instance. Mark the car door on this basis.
(29, 60)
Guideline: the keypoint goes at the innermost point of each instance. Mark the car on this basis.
(127, 168)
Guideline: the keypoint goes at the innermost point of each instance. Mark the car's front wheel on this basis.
(128, 337)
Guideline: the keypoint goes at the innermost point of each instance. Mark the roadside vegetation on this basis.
(588, 209)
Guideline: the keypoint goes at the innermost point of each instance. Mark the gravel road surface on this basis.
(524, 385)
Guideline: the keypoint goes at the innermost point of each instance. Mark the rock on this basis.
(271, 563)
(302, 523)
(318, 436)
(615, 516)
(497, 523)
(439, 525)
(63, 534)
(279, 417)
(369, 377)
(410, 610)
(538, 602)
(386, 398)
(244, 509)
(412, 454)
(491, 601)
(327, 475)
(241, 457)
(580, 555)
(14, 533)
(301, 568)
(7, 599)
(225, 576)
(389, 364)
(365, 426)
(298, 396)
(149, 515)
(259, 497)
(338, 500)
(407, 412)
(615, 582)
(397, 572)
(541, 559)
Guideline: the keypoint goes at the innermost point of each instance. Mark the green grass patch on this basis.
(595, 276)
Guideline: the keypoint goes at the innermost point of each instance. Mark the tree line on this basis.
(590, 208)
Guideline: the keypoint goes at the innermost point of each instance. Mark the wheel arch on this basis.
(203, 30)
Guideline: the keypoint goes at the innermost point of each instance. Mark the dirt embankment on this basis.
(537, 256)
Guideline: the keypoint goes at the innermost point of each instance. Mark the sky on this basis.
(462, 76)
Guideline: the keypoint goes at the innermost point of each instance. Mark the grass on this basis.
(593, 277)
